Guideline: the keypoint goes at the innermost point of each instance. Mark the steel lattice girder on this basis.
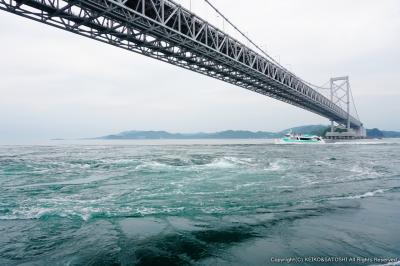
(163, 30)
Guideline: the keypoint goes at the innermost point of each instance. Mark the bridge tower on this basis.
(340, 94)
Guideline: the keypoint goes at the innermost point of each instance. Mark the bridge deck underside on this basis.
(165, 31)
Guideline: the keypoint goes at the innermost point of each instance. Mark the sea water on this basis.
(199, 203)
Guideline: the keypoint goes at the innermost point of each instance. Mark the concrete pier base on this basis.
(359, 133)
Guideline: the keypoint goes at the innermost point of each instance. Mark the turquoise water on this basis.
(200, 203)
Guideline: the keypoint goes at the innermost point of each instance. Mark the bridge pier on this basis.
(342, 133)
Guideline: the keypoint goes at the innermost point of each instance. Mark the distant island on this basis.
(319, 130)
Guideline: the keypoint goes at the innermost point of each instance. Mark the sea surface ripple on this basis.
(197, 203)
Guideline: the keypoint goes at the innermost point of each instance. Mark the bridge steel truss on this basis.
(166, 31)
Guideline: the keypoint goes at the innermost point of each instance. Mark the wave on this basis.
(43, 213)
(72, 182)
(152, 165)
(86, 213)
(229, 162)
(362, 171)
(368, 194)
(196, 163)
(361, 142)
(278, 165)
(104, 207)
(323, 163)
(146, 164)
(361, 196)
(220, 163)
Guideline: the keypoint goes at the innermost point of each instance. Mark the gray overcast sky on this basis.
(57, 84)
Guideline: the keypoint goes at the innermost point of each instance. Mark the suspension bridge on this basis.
(167, 31)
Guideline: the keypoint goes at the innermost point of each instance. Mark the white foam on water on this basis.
(284, 187)
(84, 212)
(220, 163)
(361, 142)
(277, 165)
(27, 213)
(77, 200)
(152, 165)
(78, 181)
(228, 162)
(213, 210)
(143, 211)
(358, 169)
(320, 163)
(361, 196)
(87, 212)
(223, 162)
(240, 161)
(363, 171)
(118, 161)
(247, 185)
(274, 166)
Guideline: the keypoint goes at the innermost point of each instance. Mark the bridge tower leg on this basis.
(332, 100)
(340, 95)
(348, 103)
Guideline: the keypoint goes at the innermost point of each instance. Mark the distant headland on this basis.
(319, 130)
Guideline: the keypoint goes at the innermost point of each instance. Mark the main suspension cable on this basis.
(354, 103)
(258, 47)
(322, 87)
